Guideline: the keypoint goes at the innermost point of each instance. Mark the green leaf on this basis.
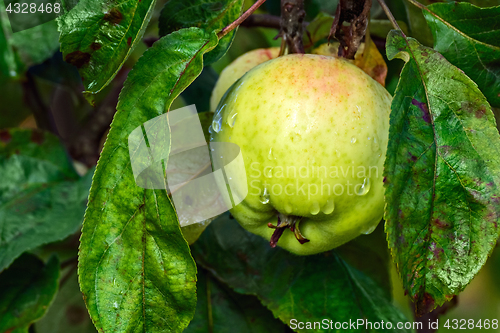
(67, 314)
(25, 48)
(305, 288)
(210, 15)
(37, 44)
(97, 37)
(136, 271)
(225, 311)
(42, 199)
(469, 38)
(442, 175)
(8, 63)
(28, 287)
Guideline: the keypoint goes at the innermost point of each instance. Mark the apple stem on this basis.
(356, 13)
(240, 19)
(292, 22)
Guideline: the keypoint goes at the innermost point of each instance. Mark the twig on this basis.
(240, 19)
(390, 16)
(292, 19)
(416, 3)
(69, 262)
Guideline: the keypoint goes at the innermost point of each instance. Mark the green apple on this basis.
(237, 69)
(313, 133)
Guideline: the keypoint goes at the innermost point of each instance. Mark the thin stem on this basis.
(240, 19)
(416, 3)
(390, 16)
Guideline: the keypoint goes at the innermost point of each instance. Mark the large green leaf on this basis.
(305, 288)
(205, 14)
(221, 310)
(42, 199)
(136, 271)
(28, 287)
(442, 175)
(469, 38)
(98, 36)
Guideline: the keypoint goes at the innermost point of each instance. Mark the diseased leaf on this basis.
(28, 287)
(42, 199)
(442, 175)
(469, 38)
(291, 286)
(97, 37)
(226, 311)
(135, 269)
(209, 15)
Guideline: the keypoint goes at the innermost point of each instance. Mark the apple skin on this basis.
(237, 69)
(308, 112)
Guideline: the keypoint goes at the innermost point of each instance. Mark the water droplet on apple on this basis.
(216, 126)
(353, 140)
(268, 172)
(271, 156)
(369, 138)
(288, 208)
(315, 208)
(364, 188)
(264, 198)
(231, 118)
(328, 207)
(337, 153)
(370, 229)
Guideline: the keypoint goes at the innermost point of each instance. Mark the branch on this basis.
(240, 19)
(262, 20)
(355, 13)
(292, 23)
(390, 16)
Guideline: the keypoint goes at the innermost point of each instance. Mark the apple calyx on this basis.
(286, 221)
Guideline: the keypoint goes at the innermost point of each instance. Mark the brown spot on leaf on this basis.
(95, 46)
(426, 116)
(114, 16)
(129, 41)
(37, 137)
(440, 224)
(425, 54)
(78, 58)
(480, 112)
(5, 136)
